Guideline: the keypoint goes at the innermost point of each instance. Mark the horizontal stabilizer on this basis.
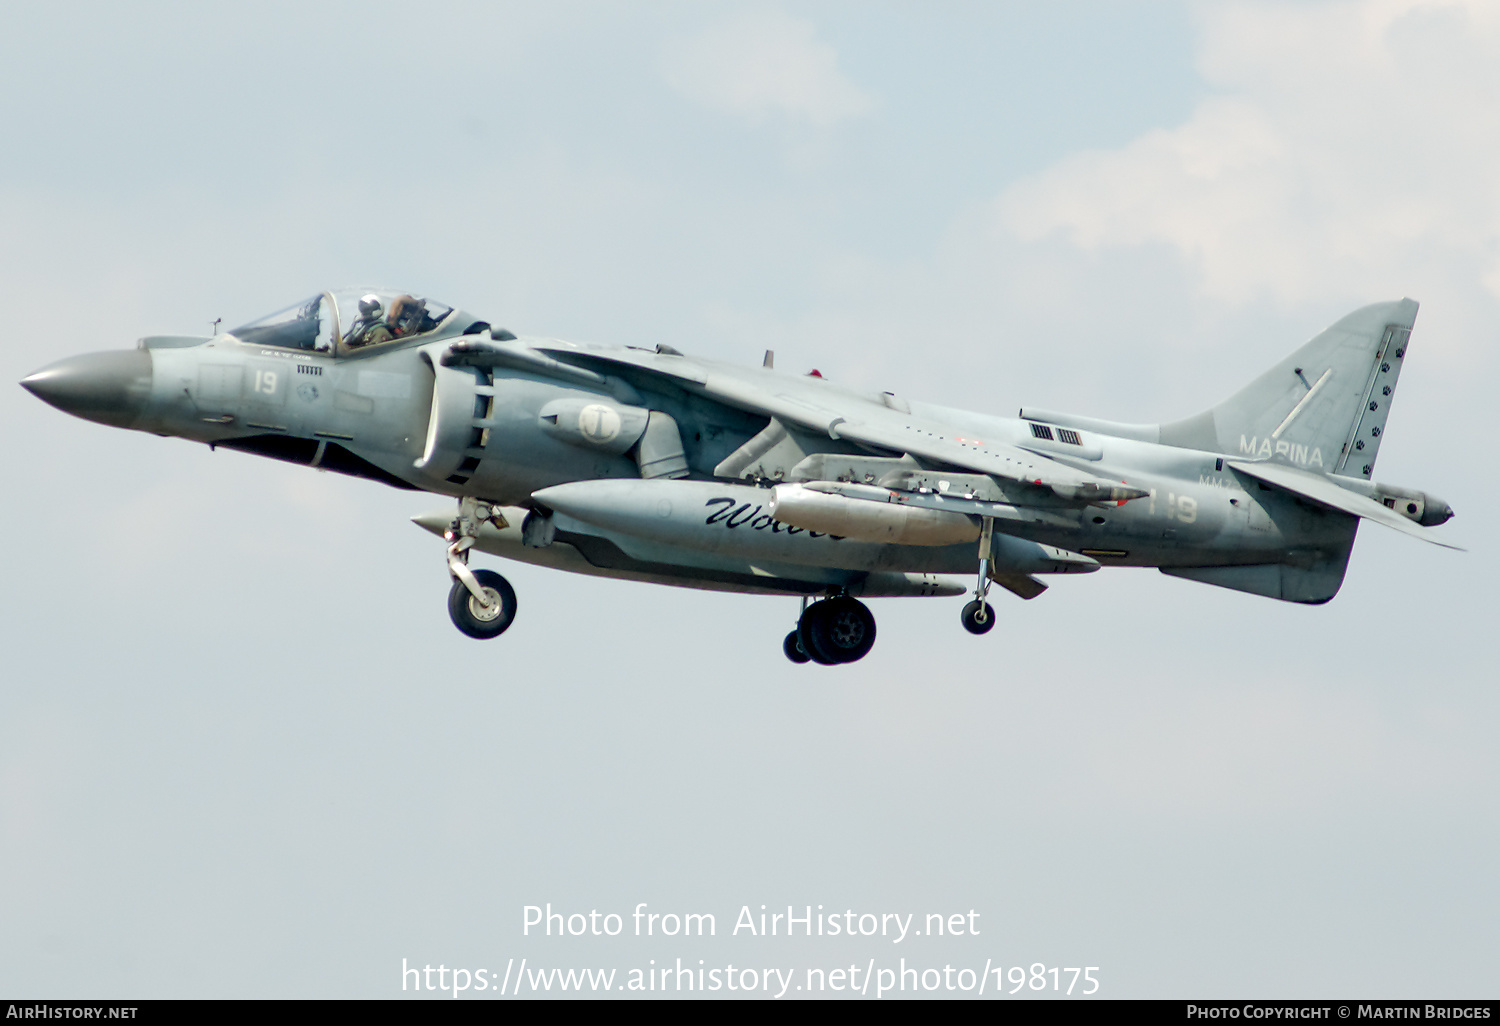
(1322, 489)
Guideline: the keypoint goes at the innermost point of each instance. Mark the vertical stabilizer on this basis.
(1323, 408)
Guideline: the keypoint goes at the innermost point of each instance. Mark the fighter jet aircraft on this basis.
(652, 465)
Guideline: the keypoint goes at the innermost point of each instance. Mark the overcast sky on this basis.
(243, 752)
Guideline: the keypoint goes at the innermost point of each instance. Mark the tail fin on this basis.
(1323, 408)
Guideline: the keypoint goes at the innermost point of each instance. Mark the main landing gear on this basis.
(840, 629)
(837, 629)
(481, 602)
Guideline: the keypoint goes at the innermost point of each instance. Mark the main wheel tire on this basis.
(978, 617)
(792, 646)
(472, 618)
(809, 634)
(843, 631)
(851, 629)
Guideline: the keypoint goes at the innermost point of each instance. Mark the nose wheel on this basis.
(835, 630)
(486, 619)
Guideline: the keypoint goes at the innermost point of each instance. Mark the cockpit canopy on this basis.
(351, 320)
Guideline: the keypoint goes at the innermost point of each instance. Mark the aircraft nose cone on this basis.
(110, 388)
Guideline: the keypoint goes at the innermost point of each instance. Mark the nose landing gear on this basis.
(481, 603)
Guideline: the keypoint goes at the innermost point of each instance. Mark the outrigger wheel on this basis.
(479, 620)
(836, 630)
(978, 616)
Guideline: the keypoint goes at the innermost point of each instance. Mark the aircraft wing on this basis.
(1321, 489)
(815, 405)
(999, 459)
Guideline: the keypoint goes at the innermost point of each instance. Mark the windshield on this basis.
(370, 317)
(308, 325)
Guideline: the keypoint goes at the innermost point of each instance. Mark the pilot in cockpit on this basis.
(368, 328)
(408, 316)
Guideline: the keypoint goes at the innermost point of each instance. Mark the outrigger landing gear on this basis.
(979, 616)
(481, 603)
(838, 629)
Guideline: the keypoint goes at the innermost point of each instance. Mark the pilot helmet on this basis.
(405, 315)
(369, 306)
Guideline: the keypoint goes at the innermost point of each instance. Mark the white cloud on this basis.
(761, 63)
(1349, 146)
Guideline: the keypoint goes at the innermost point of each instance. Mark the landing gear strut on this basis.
(836, 630)
(979, 616)
(481, 603)
(792, 645)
